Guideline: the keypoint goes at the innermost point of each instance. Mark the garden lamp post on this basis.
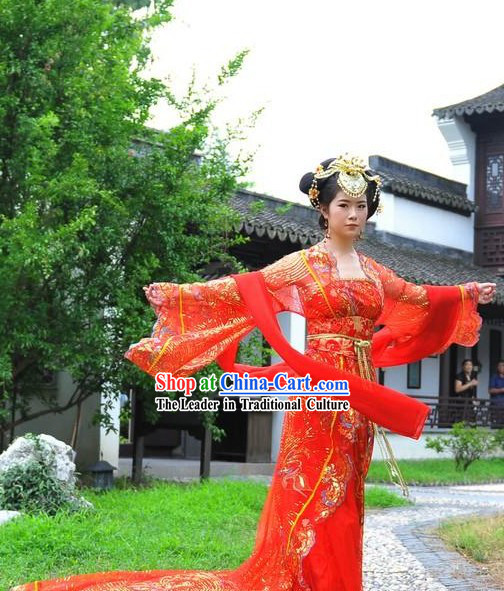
(103, 475)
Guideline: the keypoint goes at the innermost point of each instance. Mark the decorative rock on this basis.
(8, 515)
(57, 454)
(23, 449)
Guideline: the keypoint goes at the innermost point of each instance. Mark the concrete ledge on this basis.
(181, 468)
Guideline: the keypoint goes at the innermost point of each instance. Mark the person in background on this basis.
(496, 391)
(465, 392)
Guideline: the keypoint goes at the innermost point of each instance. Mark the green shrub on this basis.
(31, 487)
(466, 443)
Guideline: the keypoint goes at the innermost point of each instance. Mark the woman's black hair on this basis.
(329, 188)
(466, 360)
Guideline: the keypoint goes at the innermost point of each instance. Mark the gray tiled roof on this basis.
(484, 103)
(415, 261)
(419, 185)
(423, 266)
(297, 224)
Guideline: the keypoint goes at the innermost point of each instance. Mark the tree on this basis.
(466, 443)
(94, 204)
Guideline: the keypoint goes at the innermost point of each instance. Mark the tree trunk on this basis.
(75, 432)
(13, 413)
(138, 438)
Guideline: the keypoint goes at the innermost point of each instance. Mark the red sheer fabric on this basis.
(309, 534)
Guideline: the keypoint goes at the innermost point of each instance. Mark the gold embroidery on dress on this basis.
(306, 538)
(291, 470)
(284, 279)
(287, 270)
(419, 296)
(469, 321)
(333, 494)
(317, 281)
(110, 586)
(317, 483)
(180, 312)
(160, 354)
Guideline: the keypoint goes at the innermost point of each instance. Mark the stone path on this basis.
(402, 554)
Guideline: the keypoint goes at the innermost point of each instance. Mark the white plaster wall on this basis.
(109, 442)
(406, 448)
(424, 222)
(385, 220)
(397, 378)
(60, 425)
(461, 141)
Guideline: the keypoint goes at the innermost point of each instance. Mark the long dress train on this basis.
(310, 532)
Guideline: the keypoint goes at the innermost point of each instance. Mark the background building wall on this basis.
(425, 222)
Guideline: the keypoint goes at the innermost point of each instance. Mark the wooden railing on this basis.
(445, 412)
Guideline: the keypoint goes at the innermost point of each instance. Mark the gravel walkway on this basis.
(402, 554)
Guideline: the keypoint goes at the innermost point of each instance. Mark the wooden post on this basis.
(75, 432)
(13, 412)
(259, 429)
(206, 452)
(138, 438)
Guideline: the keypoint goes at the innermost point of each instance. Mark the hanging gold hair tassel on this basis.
(386, 450)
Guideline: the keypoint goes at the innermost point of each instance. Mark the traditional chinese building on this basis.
(433, 230)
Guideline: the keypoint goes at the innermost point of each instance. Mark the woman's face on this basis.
(468, 366)
(346, 215)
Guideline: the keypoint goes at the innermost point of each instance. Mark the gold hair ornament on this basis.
(353, 178)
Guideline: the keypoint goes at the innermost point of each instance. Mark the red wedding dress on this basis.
(309, 535)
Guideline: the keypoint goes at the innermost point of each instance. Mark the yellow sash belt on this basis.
(361, 349)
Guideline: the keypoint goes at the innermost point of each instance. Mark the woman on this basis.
(465, 392)
(309, 535)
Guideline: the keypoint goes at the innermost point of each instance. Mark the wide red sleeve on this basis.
(196, 322)
(431, 316)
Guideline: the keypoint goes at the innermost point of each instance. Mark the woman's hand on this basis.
(486, 292)
(154, 295)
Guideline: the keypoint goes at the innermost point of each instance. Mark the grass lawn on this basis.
(381, 498)
(440, 471)
(209, 525)
(480, 539)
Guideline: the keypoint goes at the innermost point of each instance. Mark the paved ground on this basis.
(402, 554)
(171, 468)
